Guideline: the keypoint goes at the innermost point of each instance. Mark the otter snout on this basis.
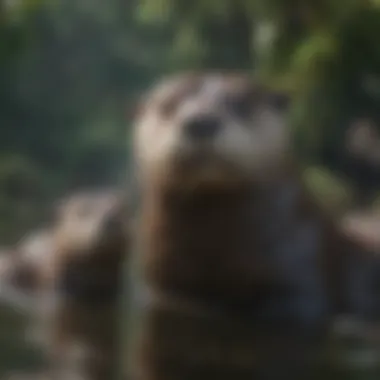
(202, 128)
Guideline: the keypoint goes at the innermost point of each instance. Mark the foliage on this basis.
(69, 70)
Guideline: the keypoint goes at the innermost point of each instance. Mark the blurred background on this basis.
(71, 72)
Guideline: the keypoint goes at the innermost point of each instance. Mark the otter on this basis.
(243, 270)
(20, 275)
(19, 272)
(20, 268)
(84, 277)
(79, 284)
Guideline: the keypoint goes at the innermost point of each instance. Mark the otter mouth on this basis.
(205, 166)
(200, 159)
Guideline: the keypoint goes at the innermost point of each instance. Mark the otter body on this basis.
(217, 309)
(85, 280)
(196, 235)
(244, 272)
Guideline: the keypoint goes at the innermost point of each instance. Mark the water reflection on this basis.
(15, 352)
(351, 356)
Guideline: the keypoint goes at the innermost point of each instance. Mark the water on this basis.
(15, 352)
(353, 359)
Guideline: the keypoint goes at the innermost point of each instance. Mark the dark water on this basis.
(15, 353)
(353, 360)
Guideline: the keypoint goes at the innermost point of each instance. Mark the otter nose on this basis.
(202, 127)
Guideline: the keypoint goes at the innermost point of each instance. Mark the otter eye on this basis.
(168, 106)
(239, 105)
(170, 102)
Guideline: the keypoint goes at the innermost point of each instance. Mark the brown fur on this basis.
(86, 278)
(214, 258)
(82, 278)
(23, 268)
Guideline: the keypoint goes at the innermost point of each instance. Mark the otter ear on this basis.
(276, 99)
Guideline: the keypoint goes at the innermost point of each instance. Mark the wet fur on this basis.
(77, 297)
(84, 336)
(244, 277)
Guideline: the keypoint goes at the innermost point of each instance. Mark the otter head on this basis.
(21, 269)
(34, 251)
(91, 222)
(205, 129)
